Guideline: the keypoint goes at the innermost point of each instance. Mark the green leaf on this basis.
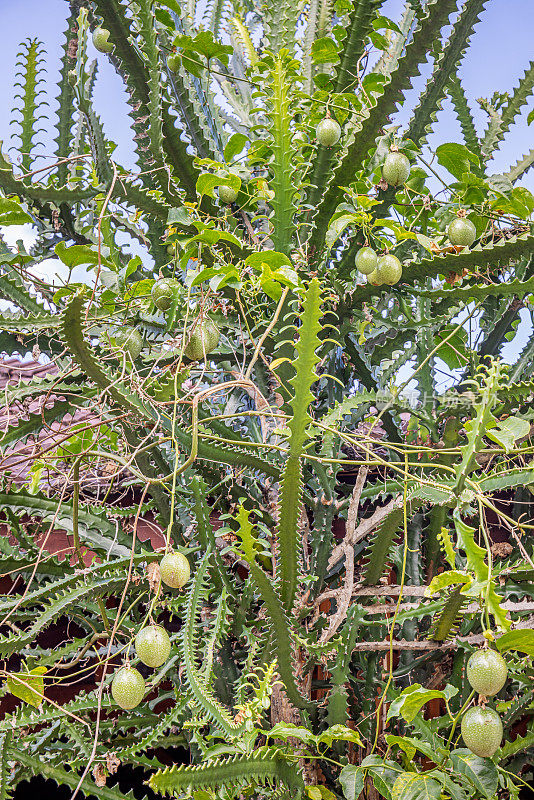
(207, 182)
(410, 745)
(28, 686)
(411, 701)
(508, 431)
(413, 786)
(337, 226)
(77, 254)
(324, 51)
(456, 158)
(444, 579)
(339, 732)
(235, 145)
(12, 213)
(351, 779)
(521, 640)
(287, 730)
(481, 772)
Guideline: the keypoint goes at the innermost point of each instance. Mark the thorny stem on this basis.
(76, 534)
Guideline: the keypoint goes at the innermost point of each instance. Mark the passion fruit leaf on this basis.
(351, 779)
(28, 686)
(481, 772)
(506, 432)
(520, 640)
(456, 158)
(324, 51)
(235, 145)
(412, 700)
(413, 786)
(339, 733)
(12, 213)
(208, 182)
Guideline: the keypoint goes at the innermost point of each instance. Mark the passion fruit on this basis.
(462, 232)
(100, 40)
(374, 278)
(129, 340)
(227, 194)
(128, 687)
(389, 269)
(328, 132)
(164, 292)
(396, 169)
(173, 62)
(482, 731)
(175, 570)
(152, 645)
(366, 260)
(203, 338)
(487, 672)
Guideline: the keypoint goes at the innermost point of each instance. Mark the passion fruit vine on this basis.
(204, 338)
(174, 570)
(396, 169)
(100, 40)
(128, 687)
(487, 672)
(482, 731)
(328, 132)
(152, 645)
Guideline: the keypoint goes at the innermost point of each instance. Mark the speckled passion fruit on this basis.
(128, 687)
(482, 731)
(374, 278)
(152, 645)
(462, 232)
(487, 672)
(174, 570)
(163, 293)
(203, 339)
(396, 169)
(366, 260)
(389, 269)
(129, 340)
(227, 194)
(328, 132)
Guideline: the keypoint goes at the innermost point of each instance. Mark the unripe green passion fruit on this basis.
(173, 62)
(152, 645)
(129, 340)
(374, 278)
(462, 232)
(227, 194)
(366, 260)
(487, 672)
(396, 169)
(175, 570)
(203, 339)
(389, 269)
(100, 40)
(328, 132)
(482, 731)
(163, 293)
(128, 687)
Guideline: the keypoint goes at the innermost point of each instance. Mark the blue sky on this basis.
(498, 56)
